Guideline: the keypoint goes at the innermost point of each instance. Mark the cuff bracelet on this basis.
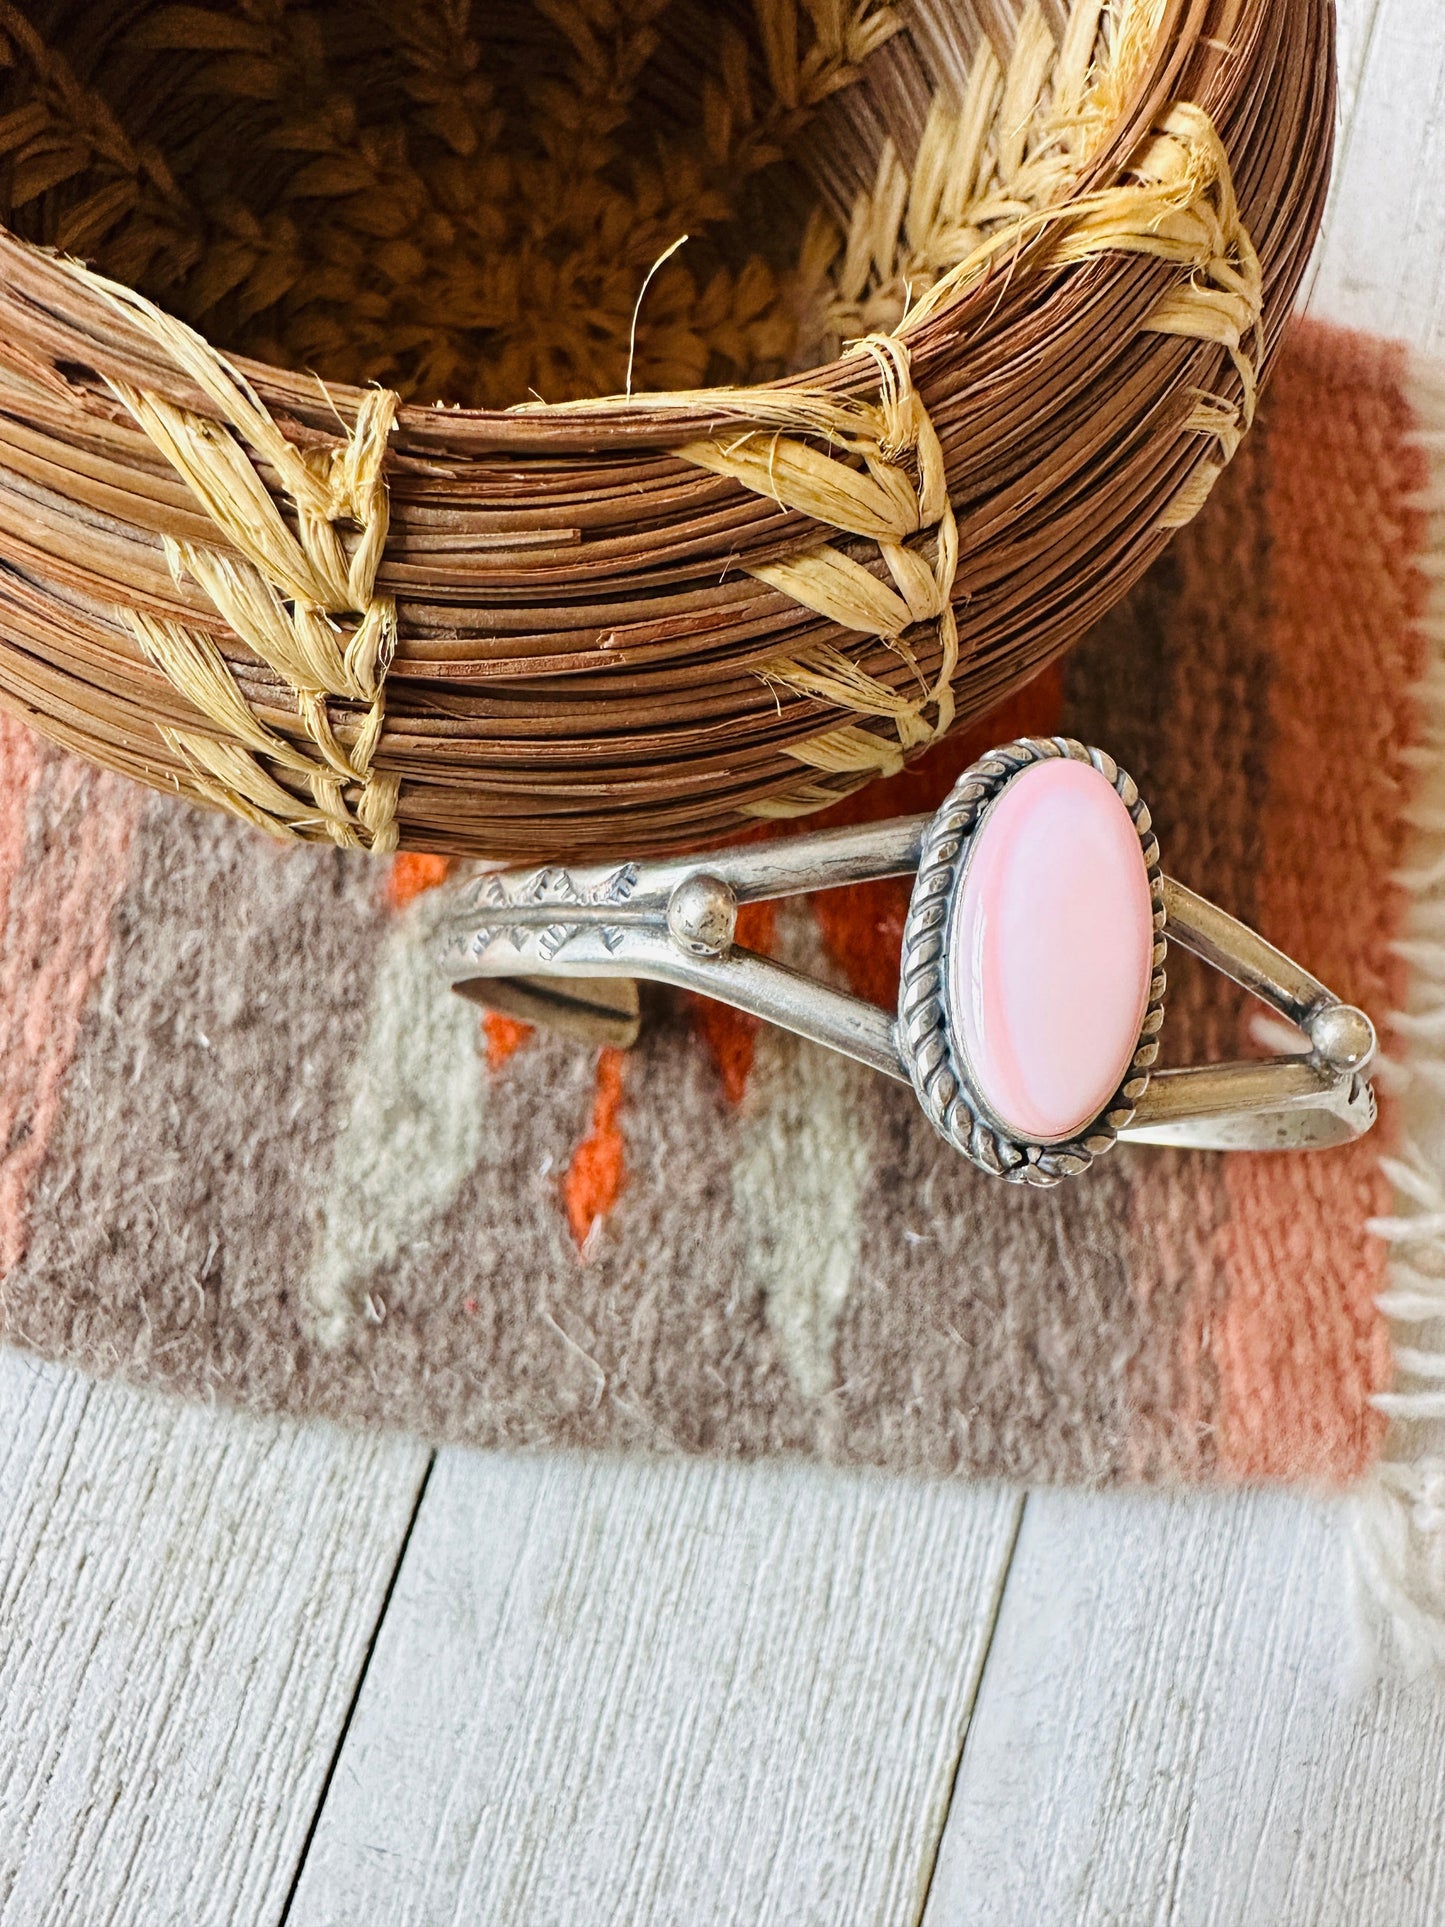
(1032, 983)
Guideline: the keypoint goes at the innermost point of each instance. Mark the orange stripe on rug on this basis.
(65, 835)
(504, 1037)
(731, 1035)
(412, 875)
(1299, 1343)
(598, 1171)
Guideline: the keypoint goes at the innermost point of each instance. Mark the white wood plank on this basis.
(1383, 263)
(1356, 22)
(1170, 1729)
(1355, 27)
(186, 1601)
(661, 1693)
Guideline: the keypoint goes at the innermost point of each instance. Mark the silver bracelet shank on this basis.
(551, 944)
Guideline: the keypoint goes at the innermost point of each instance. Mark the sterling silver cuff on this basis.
(565, 946)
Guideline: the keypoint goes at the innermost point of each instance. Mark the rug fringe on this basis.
(1399, 1516)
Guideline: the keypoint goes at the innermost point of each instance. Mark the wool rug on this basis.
(255, 1152)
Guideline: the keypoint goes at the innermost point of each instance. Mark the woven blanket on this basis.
(255, 1152)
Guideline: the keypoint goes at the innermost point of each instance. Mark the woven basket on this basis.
(1033, 265)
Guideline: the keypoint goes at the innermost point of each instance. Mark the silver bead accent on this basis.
(702, 916)
(1343, 1036)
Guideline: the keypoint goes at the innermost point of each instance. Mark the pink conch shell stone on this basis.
(1052, 951)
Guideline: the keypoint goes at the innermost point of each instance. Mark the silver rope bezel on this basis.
(925, 1035)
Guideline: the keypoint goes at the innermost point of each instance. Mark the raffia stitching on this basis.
(991, 173)
(304, 602)
(897, 499)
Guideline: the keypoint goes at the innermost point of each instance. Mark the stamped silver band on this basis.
(563, 945)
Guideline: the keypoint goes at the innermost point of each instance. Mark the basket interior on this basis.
(462, 199)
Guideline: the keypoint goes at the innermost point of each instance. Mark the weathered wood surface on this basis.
(662, 1694)
(1382, 265)
(1173, 1727)
(186, 1600)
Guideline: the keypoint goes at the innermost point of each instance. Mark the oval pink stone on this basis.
(1052, 951)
